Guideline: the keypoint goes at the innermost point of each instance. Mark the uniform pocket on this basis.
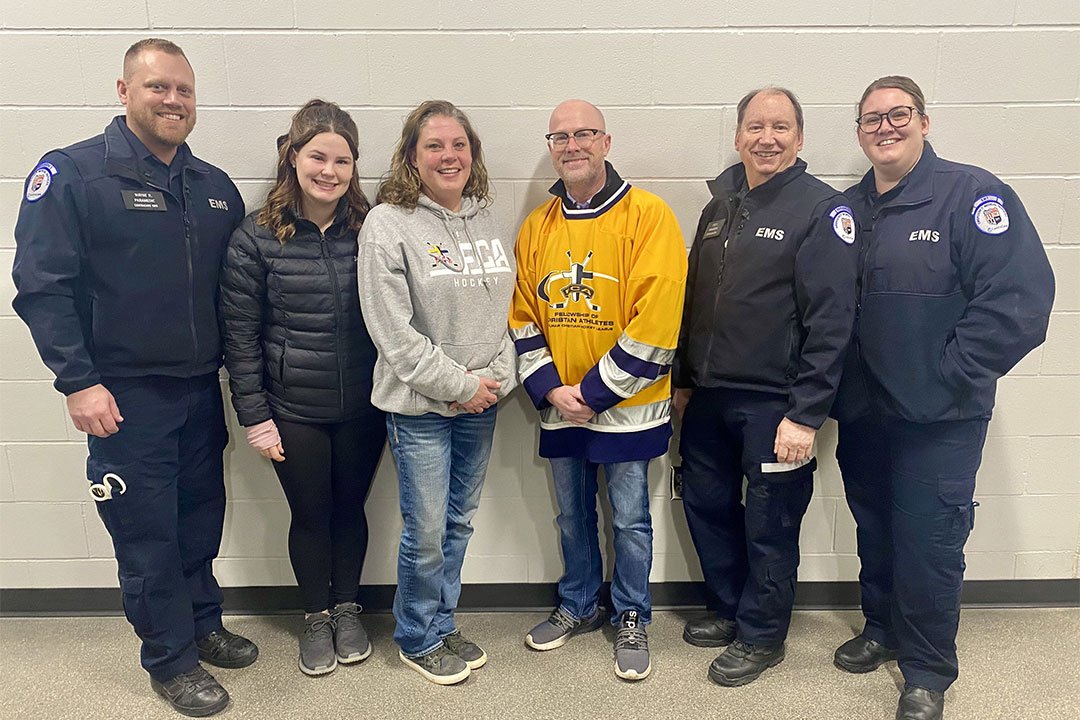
(134, 599)
(109, 487)
(954, 520)
(956, 490)
(775, 506)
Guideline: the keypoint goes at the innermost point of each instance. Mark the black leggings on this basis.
(326, 475)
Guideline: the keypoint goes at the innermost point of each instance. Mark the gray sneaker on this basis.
(350, 639)
(560, 627)
(440, 666)
(473, 655)
(317, 656)
(632, 648)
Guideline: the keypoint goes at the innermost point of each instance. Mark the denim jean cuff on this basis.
(413, 656)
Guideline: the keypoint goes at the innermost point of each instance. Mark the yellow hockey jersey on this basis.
(598, 303)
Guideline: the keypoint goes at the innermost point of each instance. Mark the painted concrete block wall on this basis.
(1003, 83)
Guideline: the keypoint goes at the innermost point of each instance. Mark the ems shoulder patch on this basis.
(989, 215)
(843, 223)
(39, 181)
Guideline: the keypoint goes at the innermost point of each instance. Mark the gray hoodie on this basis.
(435, 286)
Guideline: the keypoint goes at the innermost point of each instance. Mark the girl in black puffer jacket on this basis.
(300, 364)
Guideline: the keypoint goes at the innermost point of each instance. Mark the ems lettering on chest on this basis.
(146, 200)
(770, 233)
(218, 204)
(924, 236)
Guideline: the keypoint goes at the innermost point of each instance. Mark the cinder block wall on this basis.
(1003, 83)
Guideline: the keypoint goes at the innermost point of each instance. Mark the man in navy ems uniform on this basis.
(770, 302)
(119, 245)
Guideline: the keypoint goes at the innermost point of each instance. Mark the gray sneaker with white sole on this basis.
(632, 648)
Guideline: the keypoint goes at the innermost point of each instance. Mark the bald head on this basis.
(578, 113)
(578, 157)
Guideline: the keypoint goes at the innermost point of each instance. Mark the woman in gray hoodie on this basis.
(437, 271)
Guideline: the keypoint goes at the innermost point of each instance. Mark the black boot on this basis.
(195, 693)
(741, 663)
(862, 655)
(709, 632)
(918, 703)
(226, 649)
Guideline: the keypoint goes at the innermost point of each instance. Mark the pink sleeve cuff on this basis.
(263, 436)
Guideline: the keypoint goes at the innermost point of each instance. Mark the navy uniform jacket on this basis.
(955, 289)
(770, 294)
(115, 274)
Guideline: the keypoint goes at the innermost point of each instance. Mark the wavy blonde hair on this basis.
(283, 202)
(402, 185)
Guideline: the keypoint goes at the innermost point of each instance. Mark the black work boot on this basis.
(918, 703)
(195, 693)
(709, 632)
(741, 663)
(860, 654)
(226, 650)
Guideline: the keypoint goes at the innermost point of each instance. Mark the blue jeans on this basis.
(440, 463)
(628, 491)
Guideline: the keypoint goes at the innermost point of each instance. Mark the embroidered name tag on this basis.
(712, 229)
(144, 200)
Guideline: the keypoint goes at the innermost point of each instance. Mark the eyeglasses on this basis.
(584, 138)
(898, 117)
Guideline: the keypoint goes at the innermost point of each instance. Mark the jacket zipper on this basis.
(742, 214)
(190, 267)
(324, 249)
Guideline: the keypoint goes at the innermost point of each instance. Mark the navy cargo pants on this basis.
(910, 488)
(166, 526)
(749, 554)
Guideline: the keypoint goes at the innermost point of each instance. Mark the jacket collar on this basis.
(614, 189)
(338, 226)
(733, 180)
(914, 188)
(126, 155)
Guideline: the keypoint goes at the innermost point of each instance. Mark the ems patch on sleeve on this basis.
(39, 181)
(990, 216)
(843, 223)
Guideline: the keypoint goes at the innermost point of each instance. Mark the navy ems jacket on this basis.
(955, 290)
(770, 294)
(114, 275)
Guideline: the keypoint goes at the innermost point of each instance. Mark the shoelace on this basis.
(195, 680)
(434, 658)
(315, 627)
(454, 641)
(744, 648)
(346, 616)
(631, 639)
(561, 618)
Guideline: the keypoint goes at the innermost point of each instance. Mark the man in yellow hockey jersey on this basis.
(595, 319)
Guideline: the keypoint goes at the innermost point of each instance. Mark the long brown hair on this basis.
(402, 186)
(283, 202)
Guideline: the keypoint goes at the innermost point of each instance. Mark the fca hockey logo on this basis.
(577, 289)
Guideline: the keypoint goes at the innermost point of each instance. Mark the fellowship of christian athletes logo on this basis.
(576, 289)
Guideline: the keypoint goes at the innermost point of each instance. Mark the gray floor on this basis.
(1017, 664)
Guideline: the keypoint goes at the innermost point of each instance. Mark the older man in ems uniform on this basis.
(770, 300)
